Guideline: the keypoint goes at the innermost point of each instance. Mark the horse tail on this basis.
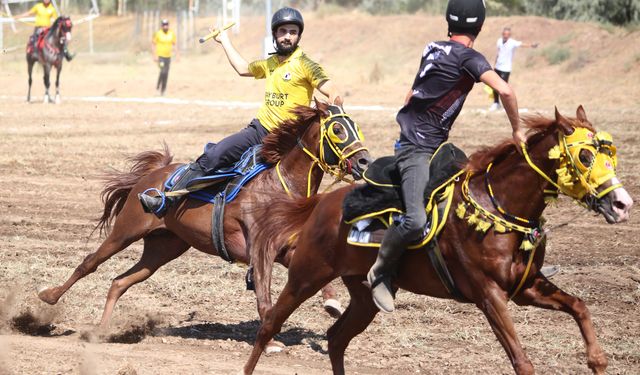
(280, 221)
(287, 215)
(118, 185)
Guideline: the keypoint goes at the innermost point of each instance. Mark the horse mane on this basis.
(285, 137)
(54, 26)
(537, 126)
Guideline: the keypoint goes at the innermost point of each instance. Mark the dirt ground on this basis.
(194, 316)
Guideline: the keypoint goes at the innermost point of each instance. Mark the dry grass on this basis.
(204, 320)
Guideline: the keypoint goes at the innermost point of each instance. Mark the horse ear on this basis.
(581, 115)
(322, 106)
(563, 123)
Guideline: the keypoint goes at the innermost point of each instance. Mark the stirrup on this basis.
(159, 211)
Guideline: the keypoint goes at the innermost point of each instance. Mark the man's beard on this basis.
(284, 50)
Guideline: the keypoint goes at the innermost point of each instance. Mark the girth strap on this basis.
(217, 227)
(439, 265)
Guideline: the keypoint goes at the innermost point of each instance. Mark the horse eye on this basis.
(586, 156)
(337, 129)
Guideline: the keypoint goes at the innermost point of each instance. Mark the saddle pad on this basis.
(382, 191)
(369, 231)
(249, 166)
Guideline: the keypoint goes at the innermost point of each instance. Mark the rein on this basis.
(338, 171)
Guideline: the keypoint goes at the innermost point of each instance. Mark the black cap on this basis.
(287, 16)
(465, 16)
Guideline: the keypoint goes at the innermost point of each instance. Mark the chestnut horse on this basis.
(297, 148)
(487, 268)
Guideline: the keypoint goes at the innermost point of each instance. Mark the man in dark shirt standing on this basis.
(448, 71)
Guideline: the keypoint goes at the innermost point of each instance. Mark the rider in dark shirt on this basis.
(448, 71)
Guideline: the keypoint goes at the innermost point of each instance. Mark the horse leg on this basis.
(301, 285)
(356, 318)
(331, 305)
(262, 272)
(158, 251)
(493, 304)
(30, 64)
(330, 301)
(127, 229)
(47, 70)
(58, 70)
(548, 296)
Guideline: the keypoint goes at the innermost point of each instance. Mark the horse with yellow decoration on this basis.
(485, 243)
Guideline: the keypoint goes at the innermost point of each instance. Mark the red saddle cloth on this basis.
(39, 44)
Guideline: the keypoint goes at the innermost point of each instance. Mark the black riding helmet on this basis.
(465, 16)
(285, 16)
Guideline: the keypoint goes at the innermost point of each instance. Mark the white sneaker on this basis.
(494, 107)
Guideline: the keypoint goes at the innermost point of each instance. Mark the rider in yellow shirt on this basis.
(163, 43)
(291, 77)
(45, 14)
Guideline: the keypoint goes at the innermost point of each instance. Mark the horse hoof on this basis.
(45, 296)
(333, 308)
(274, 347)
(58, 100)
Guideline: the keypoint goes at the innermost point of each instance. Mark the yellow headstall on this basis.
(586, 161)
(335, 149)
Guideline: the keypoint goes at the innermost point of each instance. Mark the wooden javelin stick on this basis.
(215, 32)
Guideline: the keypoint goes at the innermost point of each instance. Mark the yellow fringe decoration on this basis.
(526, 245)
(483, 226)
(550, 199)
(499, 227)
(461, 210)
(555, 153)
(473, 218)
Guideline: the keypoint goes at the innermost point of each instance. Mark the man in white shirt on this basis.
(504, 60)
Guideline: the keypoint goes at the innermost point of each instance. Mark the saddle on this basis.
(222, 187)
(373, 207)
(37, 43)
(382, 193)
(225, 182)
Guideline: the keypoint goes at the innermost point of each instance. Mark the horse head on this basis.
(62, 28)
(327, 135)
(586, 167)
(341, 141)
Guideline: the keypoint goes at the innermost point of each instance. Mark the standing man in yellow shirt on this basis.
(163, 43)
(291, 77)
(45, 14)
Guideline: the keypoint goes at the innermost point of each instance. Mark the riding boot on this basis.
(67, 55)
(159, 205)
(384, 269)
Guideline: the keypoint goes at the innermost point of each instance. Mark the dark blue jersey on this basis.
(448, 71)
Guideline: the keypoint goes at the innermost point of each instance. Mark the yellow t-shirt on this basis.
(289, 83)
(164, 42)
(45, 15)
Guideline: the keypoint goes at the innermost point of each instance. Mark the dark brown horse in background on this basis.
(295, 145)
(485, 268)
(50, 54)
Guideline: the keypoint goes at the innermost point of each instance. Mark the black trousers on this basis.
(230, 149)
(505, 76)
(164, 63)
(413, 164)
